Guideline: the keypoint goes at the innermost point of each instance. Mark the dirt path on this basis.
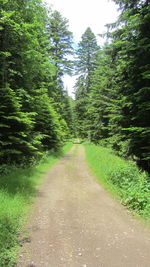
(75, 223)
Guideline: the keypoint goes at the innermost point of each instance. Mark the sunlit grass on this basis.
(121, 177)
(17, 188)
(102, 161)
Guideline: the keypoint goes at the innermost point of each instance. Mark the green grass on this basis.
(18, 186)
(121, 177)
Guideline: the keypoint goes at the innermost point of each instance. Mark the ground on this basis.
(76, 223)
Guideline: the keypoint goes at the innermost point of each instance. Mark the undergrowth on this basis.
(123, 178)
(18, 185)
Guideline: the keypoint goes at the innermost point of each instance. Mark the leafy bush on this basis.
(133, 185)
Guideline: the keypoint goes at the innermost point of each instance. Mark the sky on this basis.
(82, 14)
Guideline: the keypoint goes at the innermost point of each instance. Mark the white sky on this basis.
(82, 14)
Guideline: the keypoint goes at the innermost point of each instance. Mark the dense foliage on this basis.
(84, 65)
(123, 178)
(116, 109)
(112, 89)
(37, 115)
(35, 109)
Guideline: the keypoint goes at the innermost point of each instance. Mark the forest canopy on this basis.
(112, 92)
(112, 89)
(35, 108)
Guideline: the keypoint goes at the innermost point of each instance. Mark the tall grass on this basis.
(121, 177)
(18, 185)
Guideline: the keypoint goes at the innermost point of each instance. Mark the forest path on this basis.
(75, 223)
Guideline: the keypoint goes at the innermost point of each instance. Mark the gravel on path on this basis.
(76, 223)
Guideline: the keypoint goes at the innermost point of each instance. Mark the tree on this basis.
(60, 50)
(29, 78)
(16, 140)
(68, 113)
(61, 43)
(86, 56)
(101, 97)
(113, 104)
(132, 60)
(85, 64)
(118, 107)
(81, 106)
(48, 126)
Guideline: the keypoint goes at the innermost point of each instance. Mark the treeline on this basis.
(112, 89)
(35, 110)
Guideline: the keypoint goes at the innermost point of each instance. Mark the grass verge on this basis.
(17, 188)
(121, 177)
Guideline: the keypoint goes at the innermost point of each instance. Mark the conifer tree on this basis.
(61, 43)
(101, 97)
(61, 47)
(16, 140)
(118, 109)
(30, 77)
(86, 56)
(132, 60)
(85, 63)
(47, 125)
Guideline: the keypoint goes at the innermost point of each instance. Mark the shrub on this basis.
(122, 177)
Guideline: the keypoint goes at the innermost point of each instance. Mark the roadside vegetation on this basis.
(113, 85)
(18, 186)
(35, 109)
(111, 105)
(123, 178)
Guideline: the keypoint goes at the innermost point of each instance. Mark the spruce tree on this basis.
(132, 60)
(85, 64)
(16, 140)
(29, 77)
(86, 56)
(61, 40)
(101, 97)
